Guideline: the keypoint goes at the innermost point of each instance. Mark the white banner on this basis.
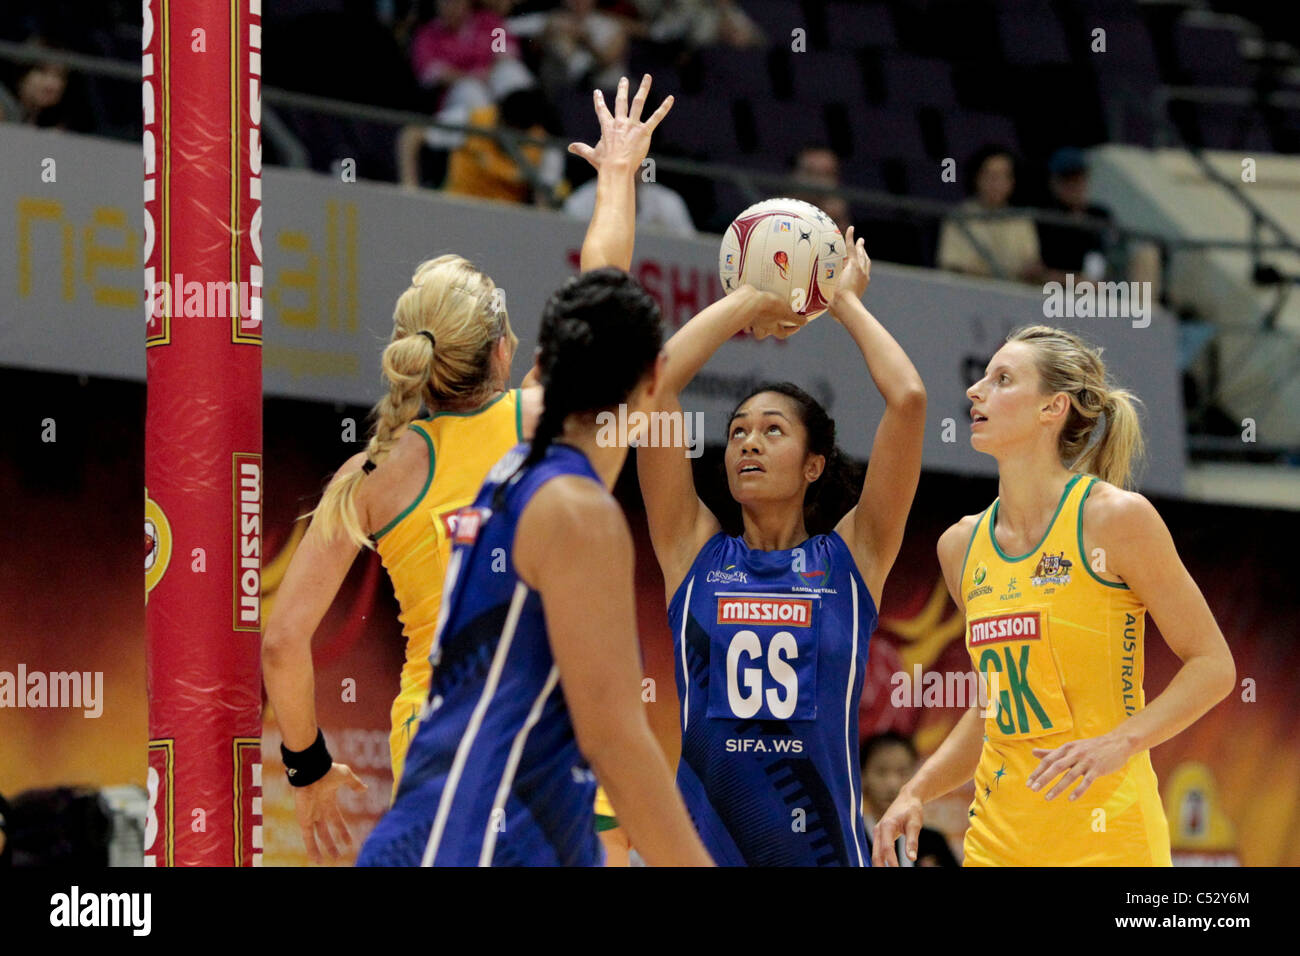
(337, 255)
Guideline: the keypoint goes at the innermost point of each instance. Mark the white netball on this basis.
(785, 246)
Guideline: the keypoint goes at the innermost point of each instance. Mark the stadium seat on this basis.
(854, 26)
(919, 80)
(1031, 34)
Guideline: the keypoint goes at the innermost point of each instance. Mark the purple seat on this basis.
(702, 124)
(925, 180)
(862, 173)
(1210, 55)
(967, 132)
(1128, 49)
(1031, 34)
(854, 25)
(1126, 106)
(1228, 126)
(776, 18)
(833, 76)
(919, 81)
(646, 57)
(879, 133)
(736, 71)
(782, 126)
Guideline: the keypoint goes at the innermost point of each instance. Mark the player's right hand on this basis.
(318, 812)
(902, 818)
(624, 138)
(771, 314)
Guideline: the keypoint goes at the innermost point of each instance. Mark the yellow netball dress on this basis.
(415, 546)
(1061, 649)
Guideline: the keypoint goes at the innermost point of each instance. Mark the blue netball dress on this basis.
(494, 776)
(770, 650)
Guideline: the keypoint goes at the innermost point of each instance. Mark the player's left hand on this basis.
(857, 271)
(1088, 759)
(624, 138)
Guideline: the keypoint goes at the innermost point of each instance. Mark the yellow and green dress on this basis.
(1062, 651)
(416, 545)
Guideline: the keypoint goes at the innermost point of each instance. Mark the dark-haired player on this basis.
(771, 627)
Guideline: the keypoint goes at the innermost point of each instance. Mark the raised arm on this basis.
(595, 647)
(679, 522)
(624, 142)
(873, 528)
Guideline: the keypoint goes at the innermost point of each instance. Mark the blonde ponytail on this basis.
(464, 315)
(1102, 434)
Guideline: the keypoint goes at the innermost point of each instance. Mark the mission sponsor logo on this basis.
(792, 612)
(1016, 626)
(464, 525)
(247, 495)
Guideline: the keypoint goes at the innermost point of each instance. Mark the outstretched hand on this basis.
(624, 138)
(857, 271)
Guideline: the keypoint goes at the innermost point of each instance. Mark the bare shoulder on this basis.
(570, 521)
(954, 542)
(350, 466)
(1111, 513)
(568, 501)
(530, 398)
(395, 482)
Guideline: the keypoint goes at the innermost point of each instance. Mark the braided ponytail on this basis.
(445, 326)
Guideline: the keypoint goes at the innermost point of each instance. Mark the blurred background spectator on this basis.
(468, 53)
(819, 164)
(1080, 250)
(1012, 241)
(656, 206)
(697, 23)
(41, 94)
(583, 46)
(480, 166)
(888, 761)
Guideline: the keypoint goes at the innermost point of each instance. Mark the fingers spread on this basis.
(602, 111)
(638, 101)
(620, 99)
(309, 841)
(323, 835)
(657, 116)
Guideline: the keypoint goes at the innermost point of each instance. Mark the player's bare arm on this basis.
(679, 521)
(617, 157)
(594, 643)
(1125, 536)
(874, 527)
(957, 757)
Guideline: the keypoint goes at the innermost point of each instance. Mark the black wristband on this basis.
(305, 767)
